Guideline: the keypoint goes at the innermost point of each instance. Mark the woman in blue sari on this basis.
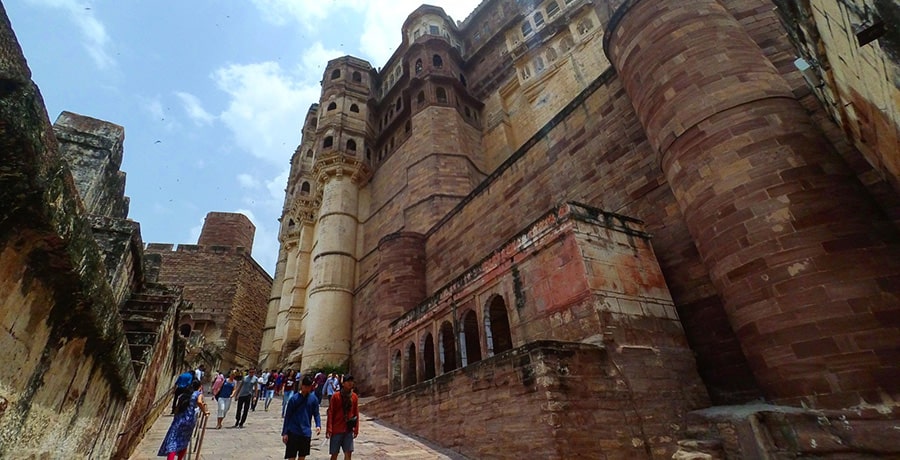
(179, 435)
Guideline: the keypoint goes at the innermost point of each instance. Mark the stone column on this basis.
(293, 327)
(806, 264)
(284, 305)
(333, 265)
(268, 354)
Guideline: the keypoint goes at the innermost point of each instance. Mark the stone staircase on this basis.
(142, 315)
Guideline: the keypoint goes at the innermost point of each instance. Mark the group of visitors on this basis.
(301, 397)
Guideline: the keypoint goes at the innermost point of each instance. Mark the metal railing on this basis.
(197, 437)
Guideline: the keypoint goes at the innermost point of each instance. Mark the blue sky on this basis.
(211, 93)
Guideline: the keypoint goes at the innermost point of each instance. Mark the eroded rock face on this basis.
(68, 367)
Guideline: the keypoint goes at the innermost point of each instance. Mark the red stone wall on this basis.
(227, 229)
(229, 292)
(801, 255)
(595, 152)
(398, 287)
(551, 400)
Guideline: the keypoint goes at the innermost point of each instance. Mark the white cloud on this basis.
(276, 187)
(314, 59)
(195, 109)
(381, 19)
(196, 230)
(158, 112)
(266, 108)
(96, 40)
(247, 181)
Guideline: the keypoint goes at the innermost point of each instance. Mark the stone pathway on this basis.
(260, 439)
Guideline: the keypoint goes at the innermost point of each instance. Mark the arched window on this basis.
(309, 153)
(185, 330)
(418, 66)
(496, 326)
(351, 145)
(552, 9)
(328, 142)
(336, 73)
(526, 29)
(472, 350)
(399, 104)
(332, 106)
(396, 384)
(357, 78)
(304, 189)
(441, 95)
(409, 374)
(538, 19)
(447, 347)
(551, 54)
(420, 98)
(428, 357)
(354, 108)
(538, 64)
(437, 61)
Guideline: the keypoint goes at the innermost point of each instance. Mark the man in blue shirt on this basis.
(296, 434)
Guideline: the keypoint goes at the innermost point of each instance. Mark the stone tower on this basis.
(340, 170)
(789, 236)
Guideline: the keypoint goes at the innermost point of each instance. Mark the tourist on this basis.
(319, 384)
(288, 389)
(217, 384)
(179, 435)
(270, 389)
(279, 382)
(331, 387)
(182, 384)
(223, 398)
(296, 432)
(342, 423)
(244, 391)
(257, 388)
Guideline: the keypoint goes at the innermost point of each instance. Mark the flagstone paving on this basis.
(260, 439)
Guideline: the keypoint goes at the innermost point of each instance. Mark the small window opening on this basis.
(336, 74)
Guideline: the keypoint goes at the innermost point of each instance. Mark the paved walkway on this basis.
(261, 439)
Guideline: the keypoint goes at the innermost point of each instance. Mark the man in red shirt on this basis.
(343, 420)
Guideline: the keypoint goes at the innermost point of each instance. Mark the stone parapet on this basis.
(552, 399)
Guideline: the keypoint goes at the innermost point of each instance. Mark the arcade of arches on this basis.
(461, 341)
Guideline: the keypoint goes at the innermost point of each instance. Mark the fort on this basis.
(623, 212)
(573, 228)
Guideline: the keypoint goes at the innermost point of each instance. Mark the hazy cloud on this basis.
(247, 181)
(96, 40)
(195, 109)
(266, 108)
(382, 19)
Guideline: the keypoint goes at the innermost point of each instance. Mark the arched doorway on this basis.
(447, 348)
(428, 356)
(472, 352)
(499, 337)
(185, 330)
